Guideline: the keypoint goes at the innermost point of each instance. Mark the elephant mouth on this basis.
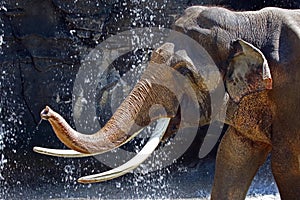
(133, 163)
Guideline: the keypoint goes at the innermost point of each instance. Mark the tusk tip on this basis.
(38, 149)
(35, 149)
(85, 180)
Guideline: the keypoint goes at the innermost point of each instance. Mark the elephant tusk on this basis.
(146, 151)
(66, 153)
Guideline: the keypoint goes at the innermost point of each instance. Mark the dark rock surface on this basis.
(42, 43)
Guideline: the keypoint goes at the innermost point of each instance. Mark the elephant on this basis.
(256, 54)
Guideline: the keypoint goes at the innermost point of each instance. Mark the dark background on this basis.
(43, 44)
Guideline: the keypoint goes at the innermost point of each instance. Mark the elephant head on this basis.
(231, 40)
(156, 95)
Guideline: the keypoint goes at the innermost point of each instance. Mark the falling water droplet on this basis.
(118, 185)
(38, 124)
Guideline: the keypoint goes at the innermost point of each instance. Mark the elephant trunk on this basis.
(135, 112)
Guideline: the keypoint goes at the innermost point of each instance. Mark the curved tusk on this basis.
(146, 151)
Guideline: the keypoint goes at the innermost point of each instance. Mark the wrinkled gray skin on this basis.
(276, 32)
(263, 116)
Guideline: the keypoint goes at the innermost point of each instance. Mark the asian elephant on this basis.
(257, 55)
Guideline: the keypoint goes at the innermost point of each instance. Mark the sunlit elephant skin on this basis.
(276, 32)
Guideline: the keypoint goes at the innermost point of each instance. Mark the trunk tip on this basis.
(46, 113)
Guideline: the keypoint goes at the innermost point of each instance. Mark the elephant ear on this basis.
(248, 71)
